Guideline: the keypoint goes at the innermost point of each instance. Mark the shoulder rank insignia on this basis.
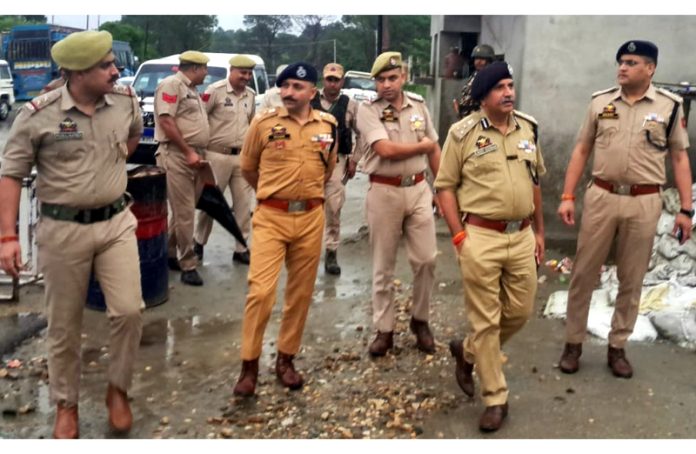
(608, 113)
(484, 145)
(388, 115)
(68, 130)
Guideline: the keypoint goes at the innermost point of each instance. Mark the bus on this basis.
(27, 49)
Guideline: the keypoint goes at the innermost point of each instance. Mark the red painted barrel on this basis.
(148, 187)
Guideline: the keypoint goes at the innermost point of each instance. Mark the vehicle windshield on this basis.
(150, 76)
(4, 72)
(359, 82)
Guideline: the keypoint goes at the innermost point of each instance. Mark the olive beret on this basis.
(193, 56)
(386, 61)
(488, 78)
(242, 62)
(635, 47)
(81, 50)
(300, 71)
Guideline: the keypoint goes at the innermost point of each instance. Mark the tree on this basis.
(264, 31)
(312, 30)
(135, 36)
(165, 35)
(7, 22)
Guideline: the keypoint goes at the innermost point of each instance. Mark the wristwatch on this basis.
(689, 213)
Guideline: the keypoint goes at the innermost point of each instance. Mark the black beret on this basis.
(636, 47)
(488, 78)
(299, 71)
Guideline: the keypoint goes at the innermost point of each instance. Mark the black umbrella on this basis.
(214, 204)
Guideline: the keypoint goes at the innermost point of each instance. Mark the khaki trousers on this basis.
(182, 192)
(228, 173)
(280, 236)
(500, 279)
(633, 222)
(392, 213)
(335, 193)
(68, 253)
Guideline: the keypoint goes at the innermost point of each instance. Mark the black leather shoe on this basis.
(241, 257)
(331, 263)
(424, 338)
(173, 264)
(492, 417)
(191, 277)
(570, 359)
(463, 371)
(382, 343)
(198, 250)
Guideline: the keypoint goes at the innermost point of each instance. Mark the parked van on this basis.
(152, 72)
(7, 98)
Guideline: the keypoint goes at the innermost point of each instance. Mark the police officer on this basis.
(489, 174)
(79, 137)
(288, 156)
(632, 128)
(272, 96)
(483, 55)
(344, 109)
(402, 144)
(181, 128)
(230, 106)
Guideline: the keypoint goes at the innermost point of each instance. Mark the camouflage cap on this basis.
(386, 61)
(333, 70)
(193, 56)
(242, 62)
(81, 50)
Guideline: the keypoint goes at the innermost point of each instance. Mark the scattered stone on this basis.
(164, 421)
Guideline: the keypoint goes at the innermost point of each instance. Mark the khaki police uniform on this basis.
(81, 174)
(288, 222)
(403, 210)
(271, 99)
(623, 155)
(229, 116)
(335, 189)
(493, 177)
(175, 96)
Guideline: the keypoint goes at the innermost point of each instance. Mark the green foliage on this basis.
(7, 22)
(166, 35)
(124, 32)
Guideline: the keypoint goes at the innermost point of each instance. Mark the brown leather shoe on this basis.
(617, 361)
(424, 338)
(67, 425)
(570, 359)
(285, 370)
(246, 384)
(464, 369)
(382, 343)
(492, 417)
(120, 416)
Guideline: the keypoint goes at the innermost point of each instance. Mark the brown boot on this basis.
(492, 417)
(570, 359)
(285, 370)
(424, 338)
(246, 385)
(464, 369)
(120, 416)
(617, 361)
(382, 343)
(67, 425)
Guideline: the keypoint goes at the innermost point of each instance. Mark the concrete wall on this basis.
(559, 61)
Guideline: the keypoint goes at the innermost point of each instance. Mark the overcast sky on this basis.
(228, 22)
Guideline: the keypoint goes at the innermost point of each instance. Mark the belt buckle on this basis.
(513, 226)
(622, 189)
(407, 181)
(297, 205)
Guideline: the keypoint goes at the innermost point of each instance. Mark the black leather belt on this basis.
(86, 216)
(225, 150)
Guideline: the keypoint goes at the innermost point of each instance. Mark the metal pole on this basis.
(87, 27)
(334, 60)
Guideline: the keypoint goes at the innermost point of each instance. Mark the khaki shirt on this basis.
(291, 159)
(176, 97)
(617, 133)
(491, 173)
(379, 120)
(229, 114)
(271, 99)
(80, 159)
